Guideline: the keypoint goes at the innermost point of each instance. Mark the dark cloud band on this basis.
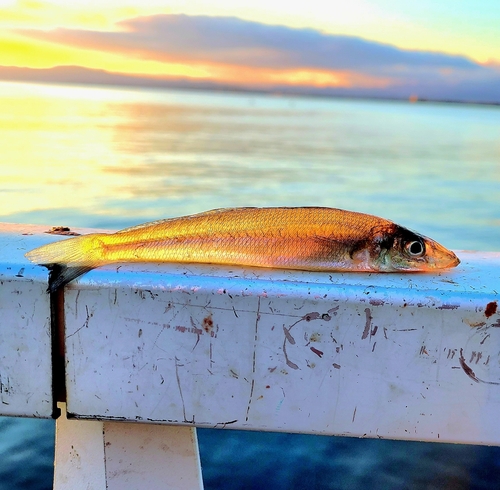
(230, 40)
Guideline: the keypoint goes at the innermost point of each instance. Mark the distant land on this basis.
(461, 93)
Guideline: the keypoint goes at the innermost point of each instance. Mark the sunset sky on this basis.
(432, 49)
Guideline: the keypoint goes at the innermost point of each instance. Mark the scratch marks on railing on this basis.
(5, 388)
(291, 340)
(222, 425)
(368, 324)
(288, 335)
(177, 366)
(370, 331)
(252, 385)
(85, 323)
(308, 317)
(76, 302)
(447, 306)
(317, 352)
(468, 370)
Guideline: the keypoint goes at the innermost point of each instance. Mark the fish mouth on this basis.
(439, 257)
(452, 262)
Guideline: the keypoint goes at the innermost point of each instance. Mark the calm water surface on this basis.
(109, 157)
(113, 157)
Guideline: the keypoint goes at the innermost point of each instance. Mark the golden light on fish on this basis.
(307, 238)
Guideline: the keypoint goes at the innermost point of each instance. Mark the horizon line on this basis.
(184, 83)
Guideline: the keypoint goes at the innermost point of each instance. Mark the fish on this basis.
(301, 238)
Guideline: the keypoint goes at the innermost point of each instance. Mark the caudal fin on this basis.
(60, 275)
(68, 259)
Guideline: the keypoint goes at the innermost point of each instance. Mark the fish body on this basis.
(304, 238)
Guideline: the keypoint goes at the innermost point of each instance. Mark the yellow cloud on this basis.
(22, 52)
(70, 14)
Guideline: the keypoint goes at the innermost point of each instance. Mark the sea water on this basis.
(113, 157)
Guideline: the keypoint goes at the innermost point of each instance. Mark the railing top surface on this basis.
(477, 275)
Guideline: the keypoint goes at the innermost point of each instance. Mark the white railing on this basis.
(403, 356)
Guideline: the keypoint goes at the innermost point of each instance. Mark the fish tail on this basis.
(60, 275)
(69, 259)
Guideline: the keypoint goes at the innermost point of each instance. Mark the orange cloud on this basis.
(324, 78)
(300, 76)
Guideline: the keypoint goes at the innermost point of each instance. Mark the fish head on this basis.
(404, 250)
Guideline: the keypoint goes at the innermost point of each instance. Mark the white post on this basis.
(96, 455)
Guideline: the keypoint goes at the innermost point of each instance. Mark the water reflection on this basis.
(115, 157)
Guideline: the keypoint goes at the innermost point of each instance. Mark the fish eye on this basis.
(415, 248)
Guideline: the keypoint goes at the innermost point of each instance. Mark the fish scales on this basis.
(269, 237)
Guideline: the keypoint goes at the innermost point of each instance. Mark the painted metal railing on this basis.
(171, 348)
